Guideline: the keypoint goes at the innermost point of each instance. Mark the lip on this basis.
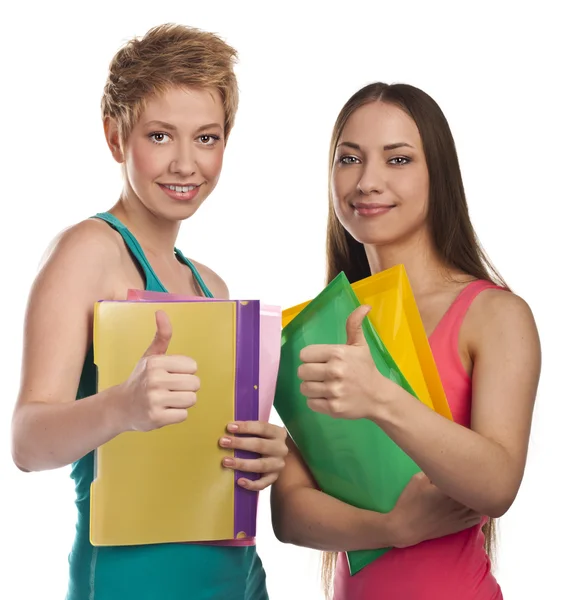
(181, 196)
(180, 184)
(369, 209)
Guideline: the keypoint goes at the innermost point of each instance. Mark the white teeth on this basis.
(180, 188)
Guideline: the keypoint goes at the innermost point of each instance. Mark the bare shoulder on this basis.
(498, 315)
(80, 269)
(215, 283)
(501, 306)
(87, 250)
(87, 237)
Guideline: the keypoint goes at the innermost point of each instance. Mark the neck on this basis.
(425, 268)
(157, 236)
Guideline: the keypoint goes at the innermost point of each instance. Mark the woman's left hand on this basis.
(265, 439)
(341, 380)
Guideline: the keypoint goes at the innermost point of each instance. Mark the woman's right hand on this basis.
(161, 388)
(423, 512)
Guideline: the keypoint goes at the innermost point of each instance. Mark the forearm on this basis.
(310, 518)
(465, 465)
(52, 435)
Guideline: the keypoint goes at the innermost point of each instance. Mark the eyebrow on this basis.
(166, 125)
(162, 124)
(386, 147)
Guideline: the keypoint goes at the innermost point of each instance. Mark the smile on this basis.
(180, 192)
(366, 209)
(179, 188)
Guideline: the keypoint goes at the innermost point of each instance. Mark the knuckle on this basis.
(153, 416)
(336, 408)
(154, 381)
(259, 446)
(339, 353)
(151, 362)
(153, 396)
(336, 370)
(336, 389)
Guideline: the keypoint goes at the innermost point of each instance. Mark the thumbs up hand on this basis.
(342, 380)
(161, 388)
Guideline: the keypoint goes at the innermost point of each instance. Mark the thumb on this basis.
(162, 338)
(355, 335)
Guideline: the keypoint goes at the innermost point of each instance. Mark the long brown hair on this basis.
(449, 221)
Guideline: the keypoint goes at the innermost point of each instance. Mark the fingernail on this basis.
(243, 482)
(225, 441)
(232, 427)
(228, 462)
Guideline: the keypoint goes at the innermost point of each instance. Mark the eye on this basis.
(399, 161)
(348, 160)
(159, 137)
(208, 140)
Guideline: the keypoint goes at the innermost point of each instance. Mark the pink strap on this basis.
(450, 324)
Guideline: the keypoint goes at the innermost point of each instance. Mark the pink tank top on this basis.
(455, 567)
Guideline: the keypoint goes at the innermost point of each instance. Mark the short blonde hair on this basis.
(166, 56)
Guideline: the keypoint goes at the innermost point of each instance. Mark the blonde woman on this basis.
(168, 108)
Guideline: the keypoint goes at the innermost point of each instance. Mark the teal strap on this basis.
(152, 282)
(197, 276)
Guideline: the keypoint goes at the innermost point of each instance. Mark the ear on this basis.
(111, 131)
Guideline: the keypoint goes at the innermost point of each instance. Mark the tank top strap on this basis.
(197, 276)
(152, 282)
(450, 324)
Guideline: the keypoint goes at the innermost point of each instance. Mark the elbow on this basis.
(282, 534)
(19, 459)
(286, 534)
(281, 530)
(20, 449)
(496, 510)
(281, 520)
(499, 503)
(22, 468)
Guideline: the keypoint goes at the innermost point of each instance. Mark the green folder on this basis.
(352, 460)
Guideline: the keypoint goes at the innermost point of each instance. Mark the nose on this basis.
(184, 160)
(372, 179)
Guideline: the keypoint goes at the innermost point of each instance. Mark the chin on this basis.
(374, 237)
(378, 234)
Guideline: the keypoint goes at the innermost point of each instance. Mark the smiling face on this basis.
(173, 156)
(380, 181)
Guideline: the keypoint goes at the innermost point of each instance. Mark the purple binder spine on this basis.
(246, 407)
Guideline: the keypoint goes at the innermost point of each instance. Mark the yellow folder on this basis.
(167, 484)
(396, 318)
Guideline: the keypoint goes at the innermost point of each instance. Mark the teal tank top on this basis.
(154, 572)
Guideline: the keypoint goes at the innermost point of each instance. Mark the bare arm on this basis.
(49, 428)
(481, 467)
(304, 516)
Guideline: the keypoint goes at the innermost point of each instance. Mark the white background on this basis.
(494, 67)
